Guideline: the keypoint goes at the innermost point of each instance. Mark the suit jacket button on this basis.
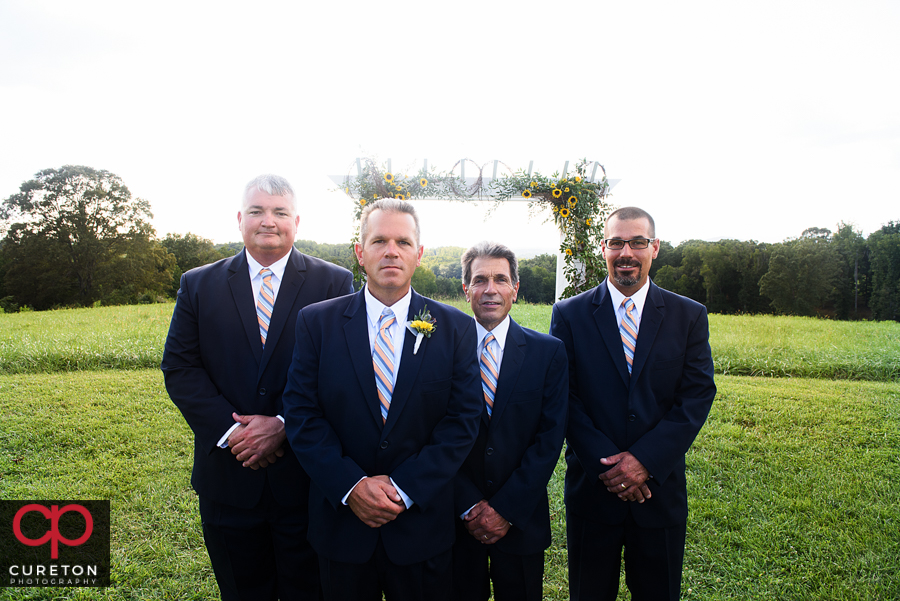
(490, 483)
(631, 417)
(490, 450)
(262, 392)
(384, 444)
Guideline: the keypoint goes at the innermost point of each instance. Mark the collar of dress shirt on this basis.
(374, 308)
(277, 267)
(499, 333)
(639, 298)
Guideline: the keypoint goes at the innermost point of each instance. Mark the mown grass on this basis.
(794, 486)
(759, 345)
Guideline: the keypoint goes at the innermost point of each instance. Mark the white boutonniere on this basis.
(422, 325)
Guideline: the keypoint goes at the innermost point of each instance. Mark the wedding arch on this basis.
(575, 201)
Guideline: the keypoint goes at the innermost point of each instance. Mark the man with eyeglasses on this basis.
(640, 388)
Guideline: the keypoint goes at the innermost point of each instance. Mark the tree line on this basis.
(75, 237)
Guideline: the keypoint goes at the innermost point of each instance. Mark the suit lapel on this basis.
(510, 366)
(605, 317)
(409, 363)
(291, 281)
(242, 293)
(356, 332)
(651, 319)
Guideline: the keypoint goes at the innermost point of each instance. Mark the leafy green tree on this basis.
(852, 291)
(884, 256)
(190, 251)
(424, 281)
(76, 236)
(802, 276)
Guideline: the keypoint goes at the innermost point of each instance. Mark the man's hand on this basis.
(627, 478)
(485, 524)
(257, 441)
(375, 501)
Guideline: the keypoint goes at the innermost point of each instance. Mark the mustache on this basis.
(627, 263)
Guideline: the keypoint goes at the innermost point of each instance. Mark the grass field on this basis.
(794, 482)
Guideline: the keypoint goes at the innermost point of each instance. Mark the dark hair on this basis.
(489, 249)
(630, 214)
(388, 205)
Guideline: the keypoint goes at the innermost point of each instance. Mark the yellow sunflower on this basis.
(569, 251)
(573, 200)
(588, 222)
(567, 189)
(398, 187)
(577, 179)
(362, 202)
(564, 212)
(534, 184)
(423, 182)
(400, 197)
(389, 178)
(557, 192)
(526, 193)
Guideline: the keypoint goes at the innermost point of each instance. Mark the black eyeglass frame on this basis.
(617, 241)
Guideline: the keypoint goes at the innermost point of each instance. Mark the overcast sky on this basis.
(724, 120)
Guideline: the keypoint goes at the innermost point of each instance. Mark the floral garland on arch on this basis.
(577, 206)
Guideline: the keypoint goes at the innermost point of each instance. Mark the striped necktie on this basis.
(628, 330)
(383, 359)
(490, 370)
(265, 302)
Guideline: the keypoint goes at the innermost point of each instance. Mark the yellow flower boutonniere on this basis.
(422, 325)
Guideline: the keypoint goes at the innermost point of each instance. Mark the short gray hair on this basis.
(630, 214)
(388, 205)
(273, 185)
(493, 250)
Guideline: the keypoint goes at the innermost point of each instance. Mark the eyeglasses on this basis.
(635, 243)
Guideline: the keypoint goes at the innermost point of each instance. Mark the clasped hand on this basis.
(257, 441)
(629, 471)
(375, 501)
(485, 524)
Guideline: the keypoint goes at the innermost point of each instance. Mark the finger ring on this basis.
(485, 537)
(624, 486)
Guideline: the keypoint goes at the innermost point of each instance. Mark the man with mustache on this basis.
(640, 388)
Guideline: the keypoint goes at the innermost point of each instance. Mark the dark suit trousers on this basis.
(653, 560)
(476, 567)
(428, 580)
(260, 554)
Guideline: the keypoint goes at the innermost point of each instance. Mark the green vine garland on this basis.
(577, 206)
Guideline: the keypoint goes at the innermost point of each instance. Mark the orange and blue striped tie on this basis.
(490, 370)
(628, 331)
(265, 302)
(383, 359)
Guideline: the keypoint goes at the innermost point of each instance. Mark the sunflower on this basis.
(557, 192)
(400, 197)
(362, 202)
(534, 184)
(526, 193)
(423, 182)
(347, 190)
(398, 187)
(577, 179)
(588, 221)
(567, 189)
(573, 200)
(569, 251)
(564, 212)
(389, 178)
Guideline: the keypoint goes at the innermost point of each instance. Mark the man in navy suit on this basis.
(381, 408)
(225, 365)
(640, 388)
(501, 490)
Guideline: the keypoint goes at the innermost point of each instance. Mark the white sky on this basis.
(724, 120)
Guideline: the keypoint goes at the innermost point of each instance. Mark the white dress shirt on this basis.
(639, 298)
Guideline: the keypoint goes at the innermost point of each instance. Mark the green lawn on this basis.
(794, 482)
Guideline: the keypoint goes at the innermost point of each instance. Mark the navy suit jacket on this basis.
(335, 428)
(214, 364)
(518, 447)
(655, 413)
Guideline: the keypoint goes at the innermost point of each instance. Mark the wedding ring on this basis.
(624, 486)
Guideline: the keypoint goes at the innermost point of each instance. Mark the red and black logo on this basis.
(54, 543)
